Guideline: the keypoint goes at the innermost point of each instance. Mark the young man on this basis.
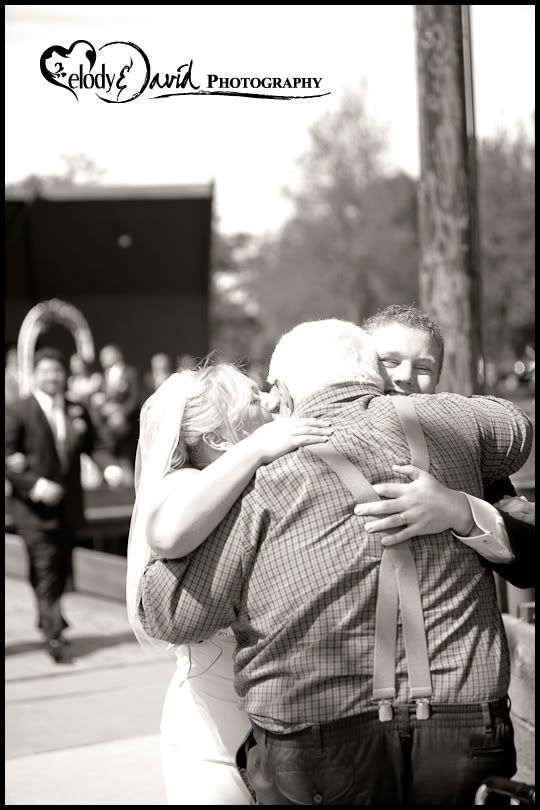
(410, 346)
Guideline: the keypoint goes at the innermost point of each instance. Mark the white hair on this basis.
(320, 353)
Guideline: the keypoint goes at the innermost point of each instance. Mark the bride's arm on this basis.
(194, 502)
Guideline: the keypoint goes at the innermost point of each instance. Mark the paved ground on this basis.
(85, 732)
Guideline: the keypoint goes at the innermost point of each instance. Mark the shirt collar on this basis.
(340, 393)
(47, 402)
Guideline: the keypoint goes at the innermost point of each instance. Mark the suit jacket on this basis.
(28, 431)
(521, 536)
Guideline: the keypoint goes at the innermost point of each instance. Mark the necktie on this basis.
(58, 424)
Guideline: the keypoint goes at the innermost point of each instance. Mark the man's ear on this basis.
(216, 442)
(287, 405)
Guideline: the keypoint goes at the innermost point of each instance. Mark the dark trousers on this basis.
(440, 761)
(49, 555)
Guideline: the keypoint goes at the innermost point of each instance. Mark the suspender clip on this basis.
(423, 708)
(386, 710)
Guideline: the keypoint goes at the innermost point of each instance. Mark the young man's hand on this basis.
(420, 506)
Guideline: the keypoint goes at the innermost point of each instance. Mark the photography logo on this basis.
(119, 72)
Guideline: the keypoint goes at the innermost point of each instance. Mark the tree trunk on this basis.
(449, 255)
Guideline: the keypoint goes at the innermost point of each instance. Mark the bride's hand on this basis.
(279, 437)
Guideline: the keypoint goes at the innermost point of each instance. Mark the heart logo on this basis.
(57, 62)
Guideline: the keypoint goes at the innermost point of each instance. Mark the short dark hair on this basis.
(49, 353)
(410, 316)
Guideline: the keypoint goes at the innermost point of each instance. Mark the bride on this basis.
(185, 485)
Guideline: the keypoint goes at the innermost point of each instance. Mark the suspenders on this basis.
(398, 581)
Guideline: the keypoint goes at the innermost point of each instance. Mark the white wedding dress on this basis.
(203, 726)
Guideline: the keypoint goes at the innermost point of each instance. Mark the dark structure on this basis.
(133, 260)
(450, 282)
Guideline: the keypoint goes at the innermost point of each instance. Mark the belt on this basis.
(448, 715)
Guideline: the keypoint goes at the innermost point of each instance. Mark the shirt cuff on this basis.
(490, 539)
(38, 490)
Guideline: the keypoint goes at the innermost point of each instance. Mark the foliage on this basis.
(351, 244)
(233, 314)
(506, 205)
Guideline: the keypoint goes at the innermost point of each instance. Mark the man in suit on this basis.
(410, 347)
(45, 436)
(297, 577)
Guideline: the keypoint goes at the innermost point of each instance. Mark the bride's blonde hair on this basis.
(174, 421)
(218, 402)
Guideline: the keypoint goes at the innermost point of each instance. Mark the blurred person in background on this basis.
(45, 436)
(524, 368)
(119, 403)
(530, 357)
(11, 393)
(160, 370)
(12, 383)
(82, 384)
(187, 362)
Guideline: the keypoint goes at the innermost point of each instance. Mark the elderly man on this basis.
(299, 580)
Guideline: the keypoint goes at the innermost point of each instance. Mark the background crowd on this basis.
(112, 391)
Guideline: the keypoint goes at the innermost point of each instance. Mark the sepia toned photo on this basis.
(270, 405)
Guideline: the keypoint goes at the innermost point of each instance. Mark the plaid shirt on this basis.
(293, 572)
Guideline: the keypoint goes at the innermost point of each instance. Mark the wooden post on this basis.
(449, 261)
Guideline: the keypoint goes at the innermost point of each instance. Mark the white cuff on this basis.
(490, 539)
(38, 490)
